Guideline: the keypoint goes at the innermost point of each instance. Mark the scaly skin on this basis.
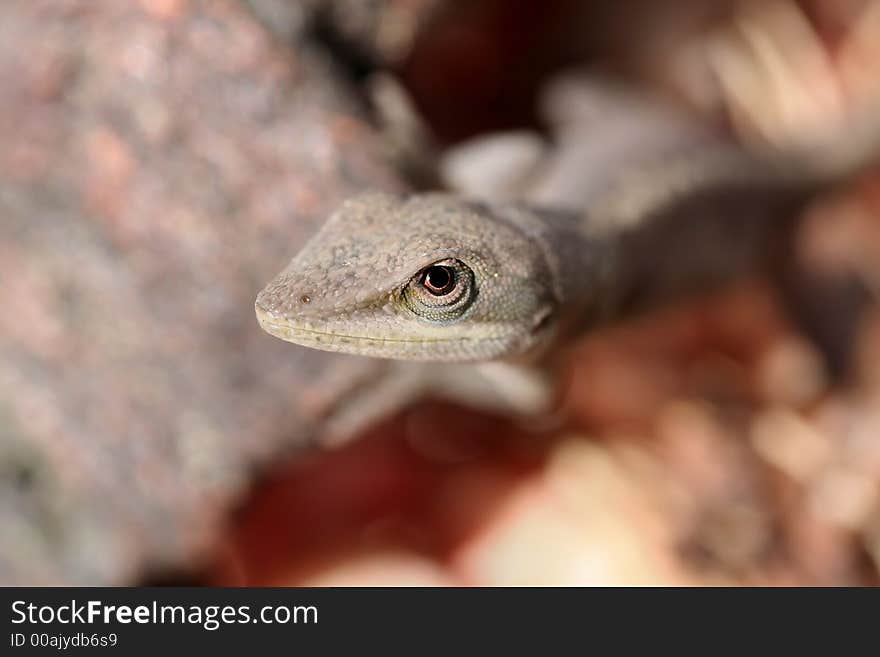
(321, 299)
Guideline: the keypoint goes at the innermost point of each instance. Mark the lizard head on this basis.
(427, 277)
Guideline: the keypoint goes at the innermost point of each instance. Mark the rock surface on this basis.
(162, 159)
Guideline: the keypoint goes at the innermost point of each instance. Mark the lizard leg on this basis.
(515, 389)
(496, 167)
(372, 401)
(497, 388)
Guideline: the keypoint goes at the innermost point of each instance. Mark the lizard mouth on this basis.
(291, 332)
(425, 348)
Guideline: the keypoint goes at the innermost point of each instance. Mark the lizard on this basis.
(649, 208)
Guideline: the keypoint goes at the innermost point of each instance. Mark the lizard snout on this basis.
(283, 299)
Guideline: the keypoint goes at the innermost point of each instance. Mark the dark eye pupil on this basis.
(439, 280)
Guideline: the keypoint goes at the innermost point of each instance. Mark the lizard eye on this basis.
(439, 280)
(441, 292)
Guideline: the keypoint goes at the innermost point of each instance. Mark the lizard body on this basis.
(610, 228)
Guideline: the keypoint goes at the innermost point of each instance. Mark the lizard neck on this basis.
(663, 231)
(581, 267)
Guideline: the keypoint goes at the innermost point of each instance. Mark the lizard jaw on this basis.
(422, 348)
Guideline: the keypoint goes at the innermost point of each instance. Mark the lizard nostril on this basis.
(261, 304)
(305, 299)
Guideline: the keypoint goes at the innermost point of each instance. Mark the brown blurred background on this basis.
(163, 158)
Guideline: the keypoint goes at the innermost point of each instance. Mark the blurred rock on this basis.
(583, 521)
(790, 444)
(162, 159)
